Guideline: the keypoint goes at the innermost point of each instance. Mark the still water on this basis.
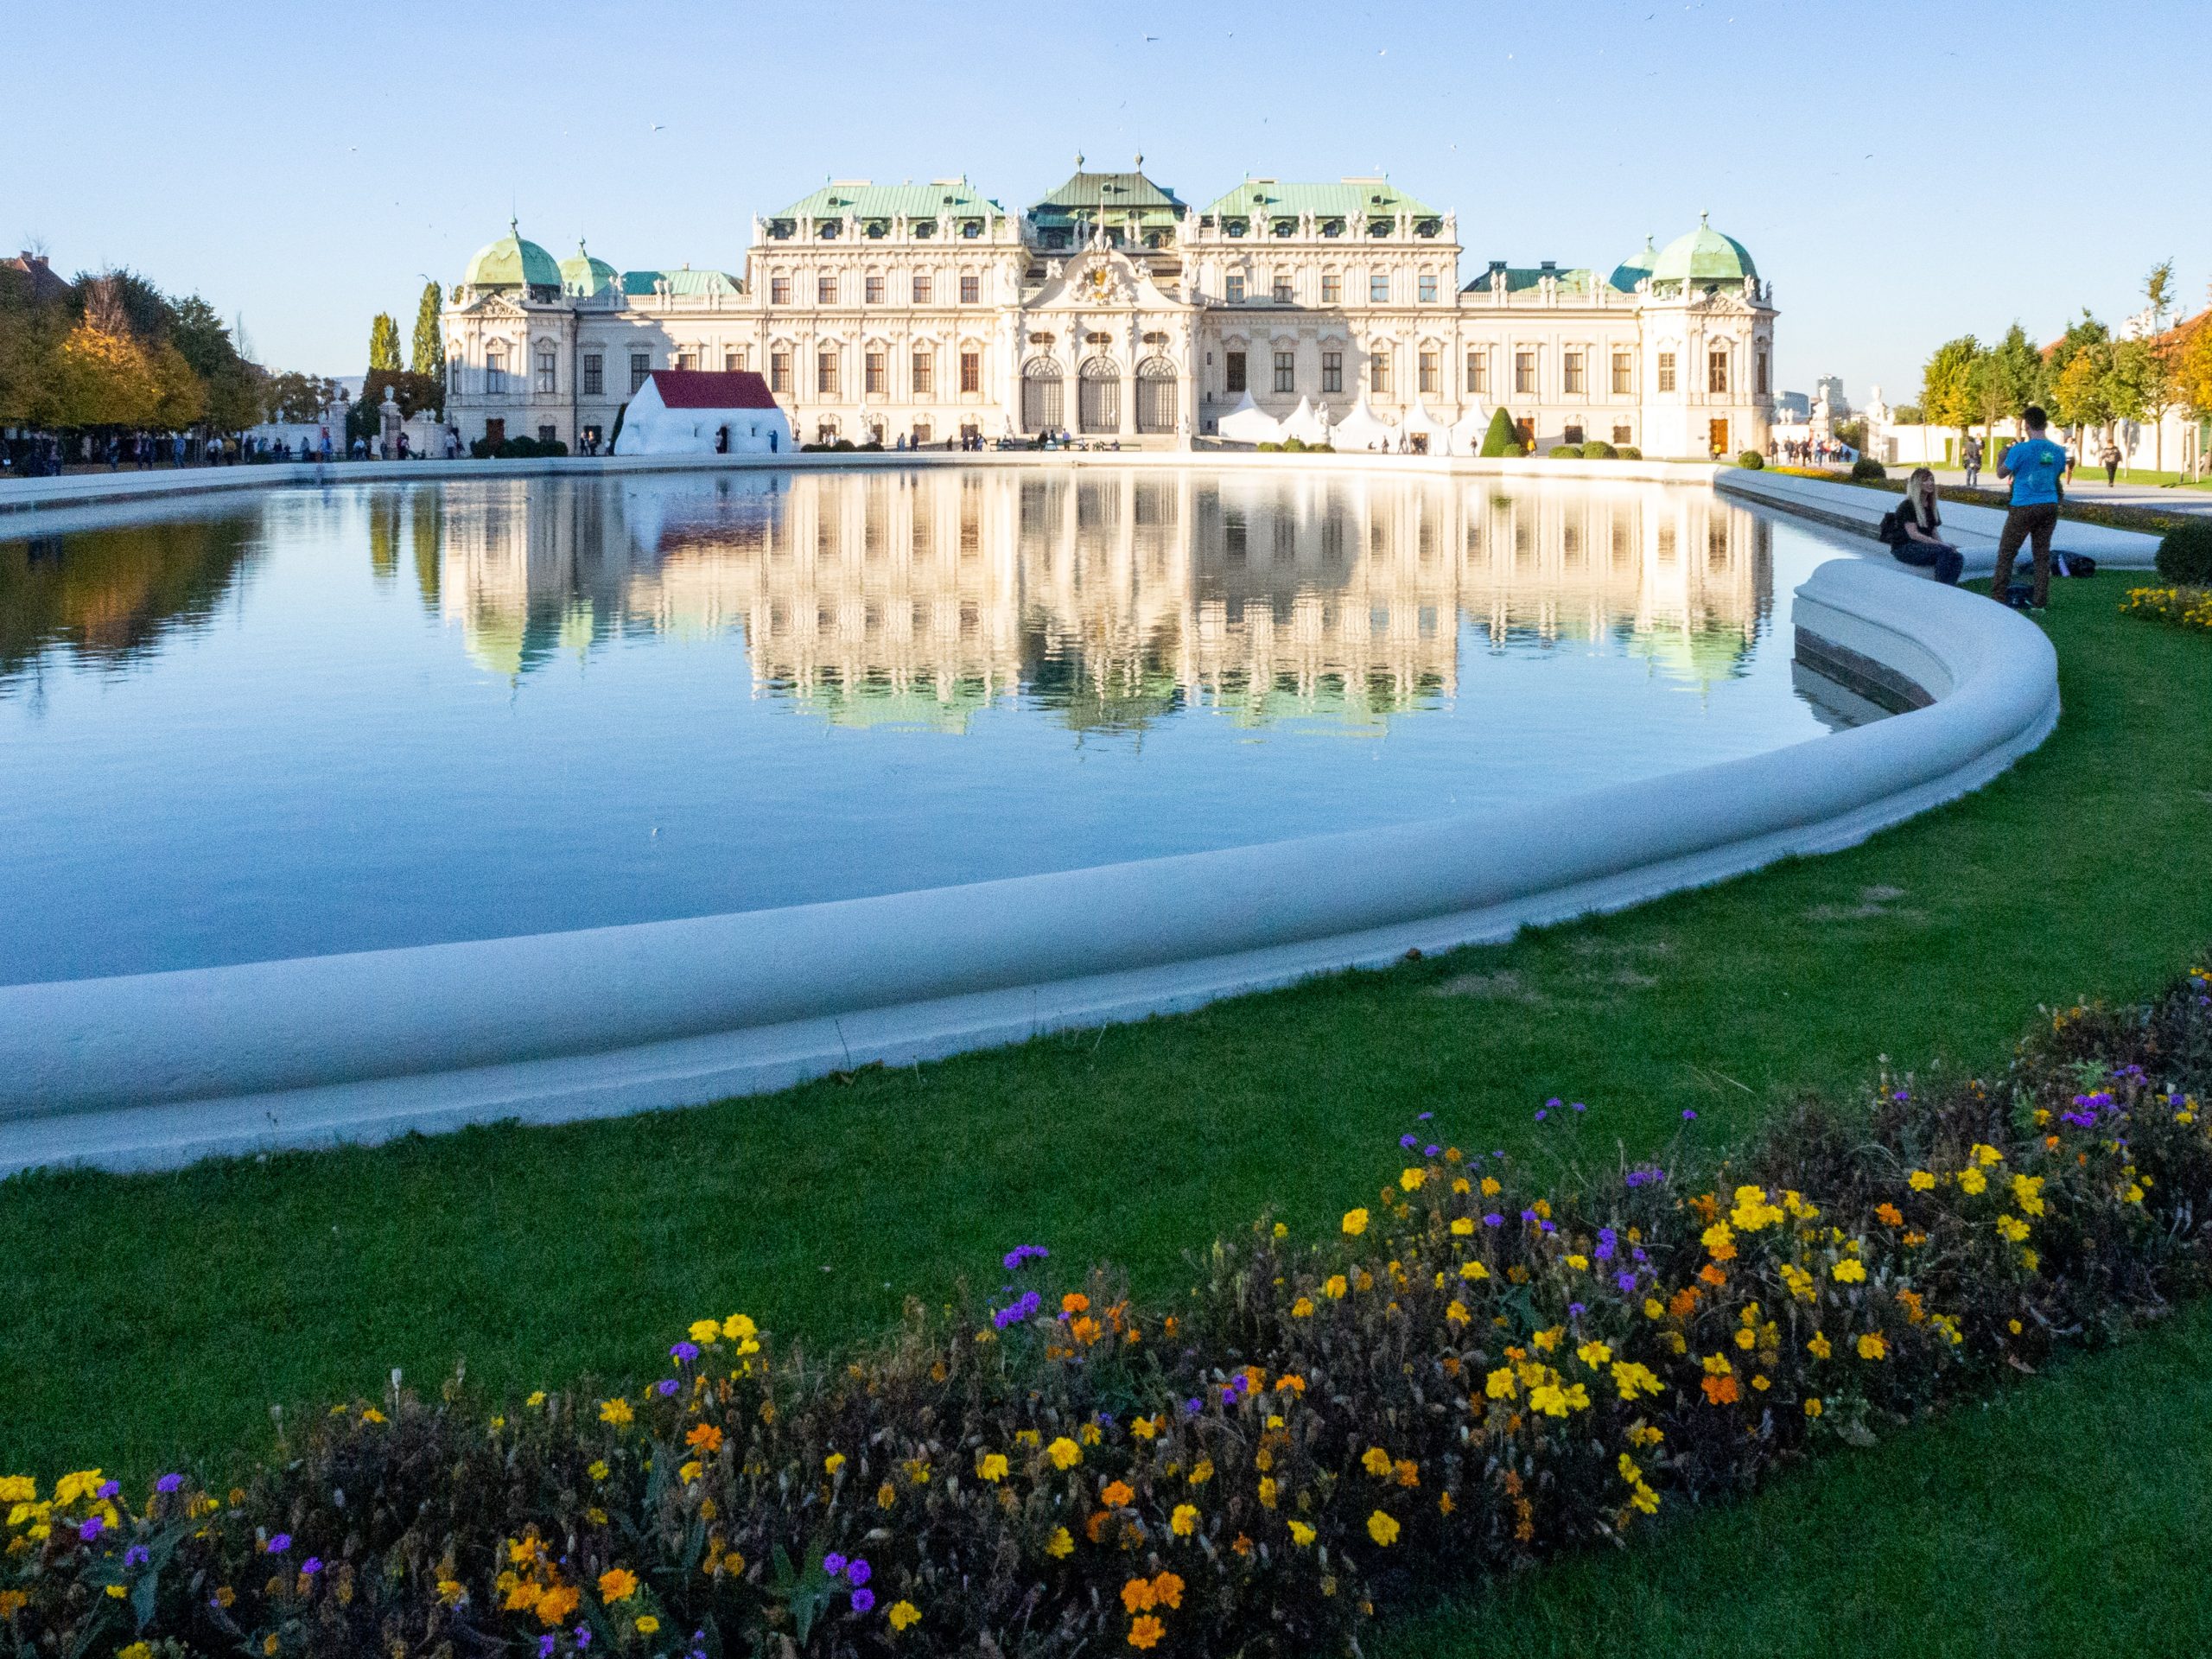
(371, 715)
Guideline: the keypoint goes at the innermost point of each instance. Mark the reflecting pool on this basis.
(369, 715)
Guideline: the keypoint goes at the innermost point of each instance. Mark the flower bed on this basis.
(1488, 1364)
(2184, 607)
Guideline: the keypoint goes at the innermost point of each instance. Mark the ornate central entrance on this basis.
(1156, 400)
(1098, 396)
(1041, 408)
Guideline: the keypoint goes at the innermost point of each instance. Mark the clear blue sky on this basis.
(1902, 172)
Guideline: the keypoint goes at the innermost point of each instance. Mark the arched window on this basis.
(1041, 406)
(1098, 396)
(1157, 396)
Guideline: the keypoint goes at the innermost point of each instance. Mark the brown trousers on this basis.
(2032, 523)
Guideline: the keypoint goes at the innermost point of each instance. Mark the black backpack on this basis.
(1889, 532)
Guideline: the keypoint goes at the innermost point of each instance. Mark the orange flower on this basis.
(1167, 1591)
(1118, 1495)
(1084, 1330)
(617, 1583)
(1145, 1631)
(1095, 1528)
(556, 1603)
(1137, 1595)
(706, 1437)
(1683, 1303)
(1711, 1275)
(1075, 1302)
(1891, 1215)
(1720, 1390)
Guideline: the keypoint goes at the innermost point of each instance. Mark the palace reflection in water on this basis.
(898, 598)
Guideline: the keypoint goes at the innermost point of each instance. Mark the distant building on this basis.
(45, 285)
(1792, 408)
(703, 412)
(1112, 309)
(1830, 386)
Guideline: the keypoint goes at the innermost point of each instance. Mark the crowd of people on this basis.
(1814, 452)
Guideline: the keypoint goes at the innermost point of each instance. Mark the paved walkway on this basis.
(2090, 487)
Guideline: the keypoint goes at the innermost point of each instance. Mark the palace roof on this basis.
(683, 283)
(583, 274)
(1351, 198)
(1578, 282)
(712, 389)
(1110, 199)
(512, 262)
(865, 200)
(1703, 255)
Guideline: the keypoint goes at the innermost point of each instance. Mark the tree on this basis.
(2081, 394)
(234, 389)
(1948, 383)
(1500, 439)
(2140, 385)
(2194, 368)
(428, 356)
(106, 379)
(384, 343)
(2159, 289)
(297, 397)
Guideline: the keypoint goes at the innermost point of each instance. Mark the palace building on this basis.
(1113, 310)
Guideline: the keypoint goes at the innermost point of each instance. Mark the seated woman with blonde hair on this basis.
(1916, 522)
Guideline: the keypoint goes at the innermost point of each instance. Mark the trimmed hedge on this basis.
(2185, 555)
(1567, 452)
(1750, 459)
(1866, 469)
(1598, 449)
(1499, 437)
(1476, 1370)
(1630, 451)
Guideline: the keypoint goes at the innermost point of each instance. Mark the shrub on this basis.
(1472, 1373)
(1630, 451)
(1866, 469)
(1499, 439)
(1268, 447)
(1565, 452)
(1750, 459)
(2185, 554)
(1293, 446)
(1598, 449)
(2185, 608)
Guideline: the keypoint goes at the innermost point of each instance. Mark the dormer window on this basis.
(971, 228)
(875, 229)
(1286, 227)
(1333, 227)
(1235, 226)
(1428, 228)
(925, 228)
(828, 230)
(1380, 227)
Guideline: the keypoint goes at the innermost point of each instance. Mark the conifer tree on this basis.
(384, 343)
(430, 353)
(1500, 439)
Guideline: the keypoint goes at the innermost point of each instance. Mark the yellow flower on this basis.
(617, 1583)
(2011, 1229)
(647, 1624)
(1267, 1492)
(1819, 1346)
(615, 1411)
(1983, 1154)
(1813, 1406)
(1381, 1529)
(18, 1489)
(1870, 1346)
(1335, 1288)
(1064, 1453)
(1473, 1270)
(703, 1331)
(1302, 1308)
(1652, 1309)
(834, 1462)
(1184, 1520)
(83, 1482)
(1579, 1263)
(135, 1650)
(690, 1471)
(991, 1466)
(1752, 1211)
(1971, 1180)
(904, 1613)
(1500, 1385)
(2027, 1192)
(739, 1328)
(1281, 1231)
(1061, 1545)
(1720, 1240)
(1376, 1461)
(1849, 1271)
(1462, 1227)
(1301, 1533)
(1202, 1472)
(1632, 1379)
(1921, 1181)
(537, 1398)
(1457, 1313)
(598, 1469)
(1411, 1178)
(1355, 1221)
(1490, 1188)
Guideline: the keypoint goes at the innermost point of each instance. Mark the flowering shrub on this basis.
(1476, 1369)
(2185, 608)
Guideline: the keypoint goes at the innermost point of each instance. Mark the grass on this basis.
(2069, 1510)
(153, 1318)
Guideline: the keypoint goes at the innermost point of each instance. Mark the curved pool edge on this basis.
(156, 1070)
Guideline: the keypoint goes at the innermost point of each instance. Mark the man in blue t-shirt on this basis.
(2036, 467)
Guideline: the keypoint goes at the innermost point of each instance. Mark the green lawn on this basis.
(154, 1319)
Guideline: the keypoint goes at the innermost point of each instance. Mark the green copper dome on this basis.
(582, 274)
(1703, 256)
(1634, 269)
(512, 263)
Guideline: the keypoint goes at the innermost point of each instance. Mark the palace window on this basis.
(971, 371)
(1524, 371)
(1571, 374)
(1378, 372)
(1332, 289)
(876, 368)
(1378, 288)
(1624, 373)
(548, 434)
(545, 369)
(595, 374)
(1282, 288)
(1572, 434)
(971, 289)
(825, 291)
(921, 287)
(1233, 290)
(1716, 370)
(687, 358)
(1286, 371)
(825, 370)
(1624, 434)
(1428, 288)
(924, 373)
(780, 372)
(1764, 384)
(1479, 370)
(1333, 371)
(641, 365)
(1233, 371)
(871, 293)
(779, 290)
(495, 369)
(1666, 371)
(736, 360)
(1428, 372)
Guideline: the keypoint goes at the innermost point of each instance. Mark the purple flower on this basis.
(1527, 1214)
(1689, 1115)
(1500, 1153)
(545, 1646)
(1193, 1406)
(90, 1530)
(312, 1566)
(1637, 1254)
(280, 1543)
(1902, 1094)
(1547, 1226)
(858, 1571)
(863, 1600)
(583, 1634)
(834, 1563)
(168, 1483)
(1553, 1102)
(1493, 1219)
(1541, 1114)
(1580, 1107)
(1229, 1396)
(667, 1386)
(109, 1488)
(1409, 1141)
(137, 1555)
(1020, 1252)
(1608, 1240)
(1645, 1176)
(1625, 1280)
(1575, 1310)
(1424, 1117)
(1026, 1308)
(684, 1352)
(1430, 1151)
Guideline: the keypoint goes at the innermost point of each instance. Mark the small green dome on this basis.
(1634, 269)
(1703, 256)
(512, 263)
(581, 274)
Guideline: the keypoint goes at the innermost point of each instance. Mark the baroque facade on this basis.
(1113, 310)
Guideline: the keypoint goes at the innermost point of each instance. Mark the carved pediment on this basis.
(1101, 279)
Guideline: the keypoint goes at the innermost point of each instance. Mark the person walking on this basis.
(2035, 465)
(2109, 458)
(1971, 459)
(1917, 521)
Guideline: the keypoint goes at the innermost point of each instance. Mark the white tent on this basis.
(1249, 423)
(1363, 428)
(1305, 425)
(703, 412)
(1473, 426)
(1420, 424)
